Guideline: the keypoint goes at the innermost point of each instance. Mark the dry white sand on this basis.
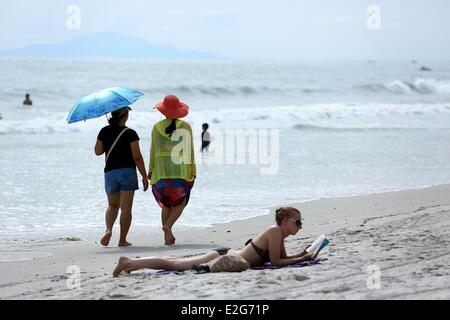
(405, 235)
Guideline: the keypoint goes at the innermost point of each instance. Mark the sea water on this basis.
(342, 128)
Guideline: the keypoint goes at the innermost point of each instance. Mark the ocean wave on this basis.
(52, 124)
(399, 87)
(334, 116)
(309, 127)
(418, 86)
(215, 91)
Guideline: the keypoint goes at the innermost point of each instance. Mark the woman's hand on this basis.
(145, 183)
(304, 251)
(309, 257)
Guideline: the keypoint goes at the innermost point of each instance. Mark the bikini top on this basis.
(262, 253)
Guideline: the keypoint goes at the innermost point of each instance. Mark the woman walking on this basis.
(122, 154)
(172, 163)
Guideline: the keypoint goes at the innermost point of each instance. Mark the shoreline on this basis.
(143, 231)
(360, 229)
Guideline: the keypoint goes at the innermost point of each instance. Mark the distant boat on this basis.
(423, 68)
(413, 61)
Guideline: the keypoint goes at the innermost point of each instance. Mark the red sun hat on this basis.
(172, 107)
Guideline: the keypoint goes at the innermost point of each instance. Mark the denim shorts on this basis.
(124, 179)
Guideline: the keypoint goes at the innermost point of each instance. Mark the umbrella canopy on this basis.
(102, 102)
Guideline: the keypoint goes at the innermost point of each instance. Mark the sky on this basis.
(245, 29)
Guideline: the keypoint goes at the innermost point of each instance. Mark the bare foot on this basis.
(124, 244)
(169, 242)
(169, 238)
(120, 266)
(105, 239)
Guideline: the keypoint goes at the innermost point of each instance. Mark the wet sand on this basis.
(383, 246)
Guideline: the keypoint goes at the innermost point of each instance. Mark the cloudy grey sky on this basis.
(247, 29)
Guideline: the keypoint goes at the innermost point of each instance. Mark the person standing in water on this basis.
(120, 145)
(172, 171)
(27, 101)
(206, 139)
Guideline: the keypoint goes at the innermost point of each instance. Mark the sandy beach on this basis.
(236, 109)
(402, 235)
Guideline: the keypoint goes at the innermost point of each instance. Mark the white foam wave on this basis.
(328, 115)
(424, 86)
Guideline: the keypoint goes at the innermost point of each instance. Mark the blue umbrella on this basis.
(102, 102)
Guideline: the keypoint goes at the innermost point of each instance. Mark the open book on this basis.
(318, 244)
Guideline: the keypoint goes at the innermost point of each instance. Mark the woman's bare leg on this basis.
(128, 265)
(126, 204)
(175, 213)
(165, 212)
(110, 216)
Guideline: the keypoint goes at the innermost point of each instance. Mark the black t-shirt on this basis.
(121, 156)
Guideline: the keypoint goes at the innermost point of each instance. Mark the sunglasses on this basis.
(298, 223)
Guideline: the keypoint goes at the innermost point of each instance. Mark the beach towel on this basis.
(267, 265)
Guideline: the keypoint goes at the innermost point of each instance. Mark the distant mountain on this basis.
(105, 45)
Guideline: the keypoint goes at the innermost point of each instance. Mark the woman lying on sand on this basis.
(268, 246)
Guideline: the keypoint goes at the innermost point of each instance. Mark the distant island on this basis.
(106, 45)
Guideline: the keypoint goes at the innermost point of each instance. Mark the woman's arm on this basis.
(298, 255)
(152, 155)
(283, 251)
(193, 166)
(136, 151)
(99, 148)
(275, 253)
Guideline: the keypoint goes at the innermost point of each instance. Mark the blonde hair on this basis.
(284, 212)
